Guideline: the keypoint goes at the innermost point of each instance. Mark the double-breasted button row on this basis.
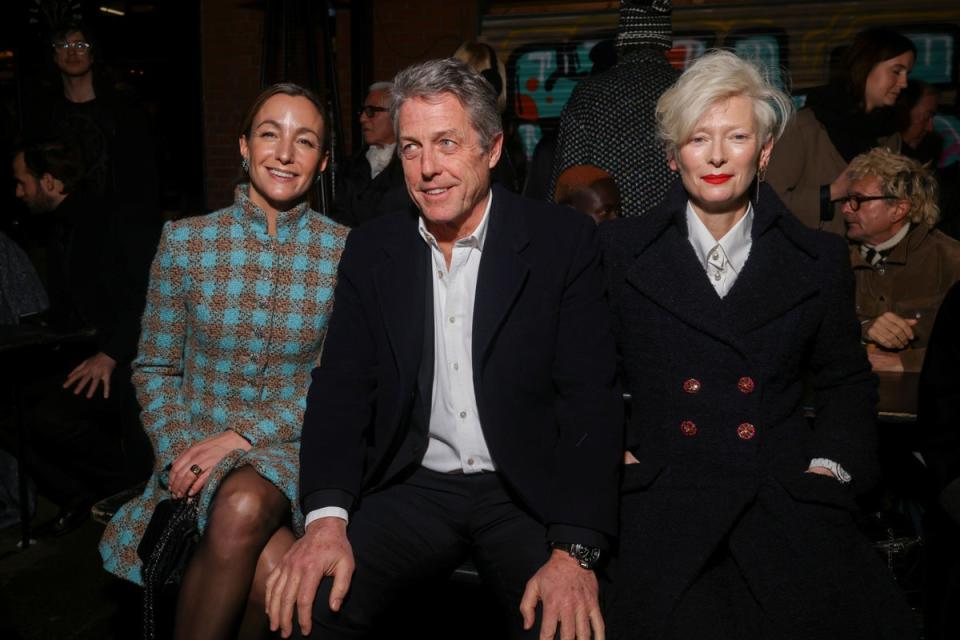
(745, 384)
(745, 431)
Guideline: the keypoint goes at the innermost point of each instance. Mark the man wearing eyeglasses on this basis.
(371, 182)
(903, 267)
(112, 133)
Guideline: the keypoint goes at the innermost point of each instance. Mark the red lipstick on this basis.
(717, 178)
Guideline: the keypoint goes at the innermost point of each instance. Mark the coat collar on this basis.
(774, 280)
(900, 253)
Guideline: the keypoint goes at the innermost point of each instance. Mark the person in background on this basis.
(735, 514)
(915, 109)
(236, 316)
(86, 442)
(849, 116)
(903, 266)
(371, 182)
(111, 132)
(609, 120)
(591, 191)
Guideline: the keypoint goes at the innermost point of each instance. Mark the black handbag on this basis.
(165, 551)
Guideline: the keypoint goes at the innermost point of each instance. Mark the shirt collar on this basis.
(735, 243)
(892, 242)
(475, 239)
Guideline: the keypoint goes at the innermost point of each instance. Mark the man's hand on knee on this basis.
(323, 551)
(569, 596)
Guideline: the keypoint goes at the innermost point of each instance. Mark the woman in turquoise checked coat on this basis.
(235, 318)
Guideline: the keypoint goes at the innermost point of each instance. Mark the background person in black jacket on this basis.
(86, 439)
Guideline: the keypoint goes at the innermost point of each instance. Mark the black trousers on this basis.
(419, 531)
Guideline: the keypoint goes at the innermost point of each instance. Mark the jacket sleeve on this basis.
(158, 367)
(588, 405)
(845, 389)
(340, 400)
(802, 161)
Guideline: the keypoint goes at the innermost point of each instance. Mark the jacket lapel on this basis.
(503, 272)
(401, 289)
(667, 272)
(775, 278)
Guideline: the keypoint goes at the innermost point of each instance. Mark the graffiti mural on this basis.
(542, 75)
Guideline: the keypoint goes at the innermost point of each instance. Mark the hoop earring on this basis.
(245, 164)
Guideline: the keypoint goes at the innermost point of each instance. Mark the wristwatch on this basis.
(585, 556)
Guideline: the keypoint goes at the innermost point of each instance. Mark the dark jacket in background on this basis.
(360, 198)
(97, 267)
(609, 123)
(722, 460)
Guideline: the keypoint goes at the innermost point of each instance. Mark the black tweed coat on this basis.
(609, 122)
(718, 427)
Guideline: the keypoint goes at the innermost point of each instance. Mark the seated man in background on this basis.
(903, 266)
(591, 190)
(86, 440)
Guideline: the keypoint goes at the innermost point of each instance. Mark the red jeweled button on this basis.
(688, 428)
(746, 384)
(746, 431)
(691, 385)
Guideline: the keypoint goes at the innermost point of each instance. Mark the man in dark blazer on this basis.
(465, 405)
(370, 183)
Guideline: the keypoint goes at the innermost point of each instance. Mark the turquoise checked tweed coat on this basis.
(233, 326)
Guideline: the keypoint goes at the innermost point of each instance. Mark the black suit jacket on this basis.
(543, 358)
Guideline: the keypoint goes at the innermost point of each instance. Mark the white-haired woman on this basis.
(736, 511)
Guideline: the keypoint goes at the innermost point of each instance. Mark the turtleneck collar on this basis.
(246, 211)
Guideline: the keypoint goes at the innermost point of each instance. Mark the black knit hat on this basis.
(645, 23)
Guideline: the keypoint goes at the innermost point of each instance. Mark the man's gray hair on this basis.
(431, 79)
(382, 85)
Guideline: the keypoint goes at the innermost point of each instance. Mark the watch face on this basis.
(586, 556)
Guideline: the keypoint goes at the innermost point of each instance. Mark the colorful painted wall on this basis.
(548, 54)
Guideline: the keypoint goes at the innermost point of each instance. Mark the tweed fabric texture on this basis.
(645, 23)
(609, 123)
(233, 326)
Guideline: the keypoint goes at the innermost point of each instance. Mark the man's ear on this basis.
(496, 148)
(899, 211)
(51, 185)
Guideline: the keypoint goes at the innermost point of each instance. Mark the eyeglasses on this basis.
(855, 200)
(80, 46)
(370, 111)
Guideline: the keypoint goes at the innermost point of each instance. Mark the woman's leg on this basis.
(255, 621)
(246, 511)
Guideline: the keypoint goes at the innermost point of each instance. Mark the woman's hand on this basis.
(204, 455)
(629, 458)
(822, 471)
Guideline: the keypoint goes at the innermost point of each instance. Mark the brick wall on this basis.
(404, 32)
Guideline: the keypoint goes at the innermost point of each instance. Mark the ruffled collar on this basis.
(247, 211)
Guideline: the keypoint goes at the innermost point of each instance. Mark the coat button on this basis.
(746, 431)
(746, 384)
(691, 385)
(688, 428)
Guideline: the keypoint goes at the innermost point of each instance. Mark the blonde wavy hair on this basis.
(903, 178)
(715, 77)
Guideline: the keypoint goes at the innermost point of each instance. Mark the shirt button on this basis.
(470, 461)
(440, 274)
(746, 431)
(456, 366)
(463, 414)
(452, 319)
(688, 428)
(746, 384)
(691, 385)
